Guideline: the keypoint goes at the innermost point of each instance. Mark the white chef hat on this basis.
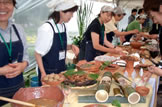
(61, 5)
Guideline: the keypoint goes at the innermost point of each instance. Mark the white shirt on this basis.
(45, 37)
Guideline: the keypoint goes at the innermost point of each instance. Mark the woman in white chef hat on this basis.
(51, 44)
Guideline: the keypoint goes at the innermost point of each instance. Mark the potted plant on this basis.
(83, 20)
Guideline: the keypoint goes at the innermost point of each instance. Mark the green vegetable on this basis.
(80, 72)
(105, 64)
(116, 103)
(93, 76)
(71, 72)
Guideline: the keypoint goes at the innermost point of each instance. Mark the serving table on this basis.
(151, 98)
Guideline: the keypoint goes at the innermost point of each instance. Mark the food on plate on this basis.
(81, 63)
(92, 66)
(80, 78)
(142, 90)
(145, 54)
(104, 58)
(136, 45)
(112, 67)
(129, 58)
(53, 79)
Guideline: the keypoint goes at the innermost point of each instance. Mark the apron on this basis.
(51, 61)
(90, 52)
(8, 87)
(160, 40)
(110, 36)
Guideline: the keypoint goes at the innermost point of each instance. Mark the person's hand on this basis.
(75, 49)
(119, 50)
(146, 77)
(18, 68)
(43, 74)
(5, 70)
(153, 36)
(122, 39)
(155, 70)
(135, 31)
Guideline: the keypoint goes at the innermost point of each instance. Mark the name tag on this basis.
(61, 55)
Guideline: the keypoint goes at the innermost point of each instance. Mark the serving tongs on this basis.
(17, 102)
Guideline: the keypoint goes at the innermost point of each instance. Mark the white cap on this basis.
(106, 9)
(61, 5)
(142, 16)
(118, 10)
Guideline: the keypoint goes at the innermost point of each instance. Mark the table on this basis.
(151, 99)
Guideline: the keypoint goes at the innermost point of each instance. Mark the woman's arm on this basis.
(39, 61)
(118, 33)
(74, 48)
(97, 46)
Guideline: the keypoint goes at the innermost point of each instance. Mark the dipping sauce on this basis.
(42, 102)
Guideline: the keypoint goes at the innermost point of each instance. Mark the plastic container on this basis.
(34, 81)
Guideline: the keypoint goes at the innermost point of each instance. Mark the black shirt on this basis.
(96, 27)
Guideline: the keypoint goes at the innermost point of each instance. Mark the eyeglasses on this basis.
(6, 2)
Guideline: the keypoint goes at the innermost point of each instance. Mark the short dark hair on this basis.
(14, 3)
(153, 5)
(56, 15)
(140, 10)
(134, 10)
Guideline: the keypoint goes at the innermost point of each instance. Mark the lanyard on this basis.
(9, 48)
(59, 36)
(102, 30)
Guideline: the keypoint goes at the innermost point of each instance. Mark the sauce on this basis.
(42, 102)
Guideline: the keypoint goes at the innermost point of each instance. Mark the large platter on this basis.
(80, 79)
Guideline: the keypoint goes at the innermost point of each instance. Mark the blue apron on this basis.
(90, 52)
(51, 61)
(8, 87)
